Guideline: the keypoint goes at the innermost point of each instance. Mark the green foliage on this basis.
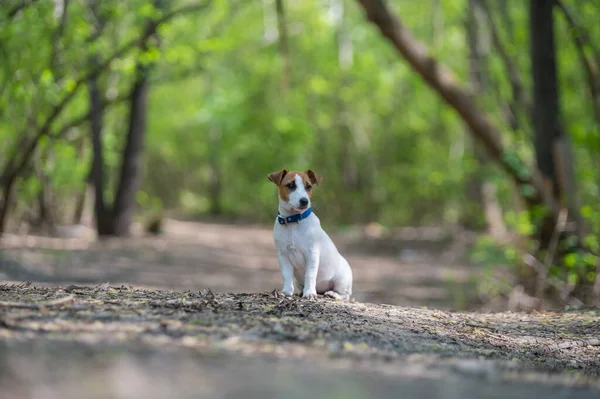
(389, 150)
(487, 251)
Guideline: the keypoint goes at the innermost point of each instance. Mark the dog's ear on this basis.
(277, 177)
(314, 178)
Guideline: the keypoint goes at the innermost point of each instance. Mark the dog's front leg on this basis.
(310, 276)
(287, 271)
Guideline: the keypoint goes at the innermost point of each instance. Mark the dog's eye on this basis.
(291, 186)
(308, 187)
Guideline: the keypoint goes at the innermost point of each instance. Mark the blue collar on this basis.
(294, 218)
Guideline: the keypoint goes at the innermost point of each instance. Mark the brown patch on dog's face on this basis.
(286, 186)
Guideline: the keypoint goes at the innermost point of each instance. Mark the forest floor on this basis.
(66, 336)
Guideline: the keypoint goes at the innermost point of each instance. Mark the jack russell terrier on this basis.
(306, 254)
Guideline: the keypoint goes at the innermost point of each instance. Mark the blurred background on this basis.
(136, 137)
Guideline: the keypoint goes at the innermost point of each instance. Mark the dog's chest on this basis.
(292, 242)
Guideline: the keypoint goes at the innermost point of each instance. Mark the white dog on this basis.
(306, 254)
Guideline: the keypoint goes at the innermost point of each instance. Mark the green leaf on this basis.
(319, 85)
(47, 77)
(43, 142)
(524, 225)
(573, 278)
(570, 260)
(283, 124)
(590, 259)
(527, 190)
(142, 197)
(69, 85)
(592, 242)
(591, 277)
(515, 163)
(587, 211)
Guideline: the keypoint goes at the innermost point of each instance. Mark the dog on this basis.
(307, 256)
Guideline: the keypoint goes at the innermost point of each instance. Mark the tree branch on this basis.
(440, 78)
(81, 119)
(16, 9)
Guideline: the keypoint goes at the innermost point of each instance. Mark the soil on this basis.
(60, 339)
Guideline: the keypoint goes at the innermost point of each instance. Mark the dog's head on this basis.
(295, 188)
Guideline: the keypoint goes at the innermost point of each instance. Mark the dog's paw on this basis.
(309, 295)
(336, 296)
(287, 292)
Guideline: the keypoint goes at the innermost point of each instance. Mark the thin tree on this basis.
(481, 193)
(96, 114)
(284, 48)
(131, 164)
(552, 146)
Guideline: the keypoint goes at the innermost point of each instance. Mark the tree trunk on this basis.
(102, 213)
(481, 194)
(131, 164)
(520, 103)
(80, 202)
(215, 182)
(81, 197)
(546, 122)
(463, 101)
(7, 192)
(552, 148)
(475, 217)
(347, 154)
(130, 177)
(46, 220)
(284, 50)
(104, 225)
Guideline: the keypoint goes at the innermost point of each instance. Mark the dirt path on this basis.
(228, 258)
(119, 342)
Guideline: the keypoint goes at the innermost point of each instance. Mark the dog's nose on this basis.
(303, 201)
